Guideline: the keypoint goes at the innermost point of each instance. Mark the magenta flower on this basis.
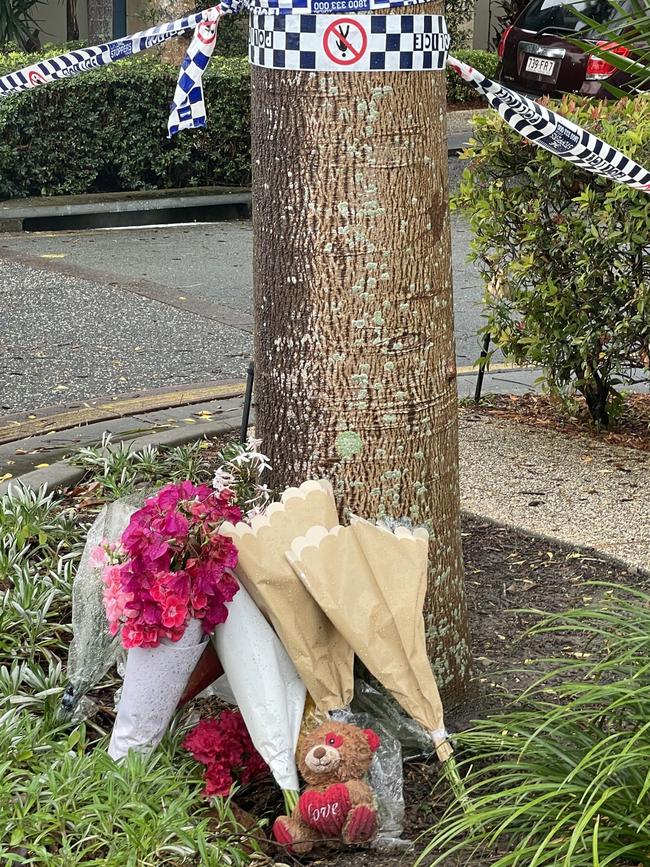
(173, 566)
(224, 746)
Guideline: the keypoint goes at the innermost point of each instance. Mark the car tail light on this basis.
(502, 42)
(598, 67)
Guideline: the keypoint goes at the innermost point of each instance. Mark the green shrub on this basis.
(564, 253)
(232, 39)
(458, 15)
(63, 801)
(106, 131)
(459, 90)
(564, 777)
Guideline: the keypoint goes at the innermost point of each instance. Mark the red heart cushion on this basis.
(326, 811)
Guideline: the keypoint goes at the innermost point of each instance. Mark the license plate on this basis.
(540, 66)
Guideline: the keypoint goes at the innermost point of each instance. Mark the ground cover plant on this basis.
(563, 777)
(64, 802)
(564, 254)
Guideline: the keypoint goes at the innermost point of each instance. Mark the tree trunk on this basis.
(173, 50)
(100, 21)
(354, 345)
(71, 23)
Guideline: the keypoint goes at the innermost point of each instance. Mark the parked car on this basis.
(536, 60)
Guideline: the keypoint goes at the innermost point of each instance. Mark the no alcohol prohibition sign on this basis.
(345, 41)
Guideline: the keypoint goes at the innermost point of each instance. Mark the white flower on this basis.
(222, 480)
(260, 461)
(254, 512)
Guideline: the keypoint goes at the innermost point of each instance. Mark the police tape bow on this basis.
(188, 105)
(531, 120)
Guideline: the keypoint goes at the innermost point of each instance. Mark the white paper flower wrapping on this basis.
(154, 680)
(268, 689)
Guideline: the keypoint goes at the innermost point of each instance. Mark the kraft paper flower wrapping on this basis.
(323, 658)
(265, 684)
(371, 584)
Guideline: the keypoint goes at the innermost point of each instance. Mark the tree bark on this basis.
(71, 23)
(173, 50)
(100, 21)
(354, 346)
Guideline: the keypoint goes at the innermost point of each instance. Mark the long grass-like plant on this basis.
(624, 41)
(563, 778)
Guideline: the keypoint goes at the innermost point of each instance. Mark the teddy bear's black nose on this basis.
(319, 752)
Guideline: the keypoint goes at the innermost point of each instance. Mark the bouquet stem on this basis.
(452, 775)
(290, 800)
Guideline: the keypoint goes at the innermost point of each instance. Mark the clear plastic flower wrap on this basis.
(386, 778)
(372, 699)
(93, 649)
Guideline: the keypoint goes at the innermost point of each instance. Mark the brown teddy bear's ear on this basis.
(373, 739)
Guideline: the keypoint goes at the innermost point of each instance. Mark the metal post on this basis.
(248, 399)
(481, 370)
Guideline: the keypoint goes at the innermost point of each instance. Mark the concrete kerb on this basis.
(221, 200)
(63, 474)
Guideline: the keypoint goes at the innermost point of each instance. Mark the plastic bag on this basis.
(93, 649)
(386, 778)
(373, 700)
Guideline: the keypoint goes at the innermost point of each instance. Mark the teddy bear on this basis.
(337, 804)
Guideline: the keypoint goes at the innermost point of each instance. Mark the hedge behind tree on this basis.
(106, 130)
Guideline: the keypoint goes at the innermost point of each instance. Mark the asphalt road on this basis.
(107, 312)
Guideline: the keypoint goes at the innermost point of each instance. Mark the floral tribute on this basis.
(172, 565)
(224, 746)
(241, 468)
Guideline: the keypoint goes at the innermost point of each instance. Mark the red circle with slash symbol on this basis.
(340, 38)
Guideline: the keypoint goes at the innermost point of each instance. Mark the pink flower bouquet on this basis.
(172, 566)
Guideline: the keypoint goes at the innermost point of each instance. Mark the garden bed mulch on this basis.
(631, 428)
(506, 571)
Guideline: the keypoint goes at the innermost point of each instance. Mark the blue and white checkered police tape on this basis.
(303, 35)
(328, 7)
(356, 43)
(555, 133)
(84, 59)
(188, 105)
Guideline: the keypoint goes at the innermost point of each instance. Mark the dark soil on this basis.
(506, 572)
(467, 104)
(630, 426)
